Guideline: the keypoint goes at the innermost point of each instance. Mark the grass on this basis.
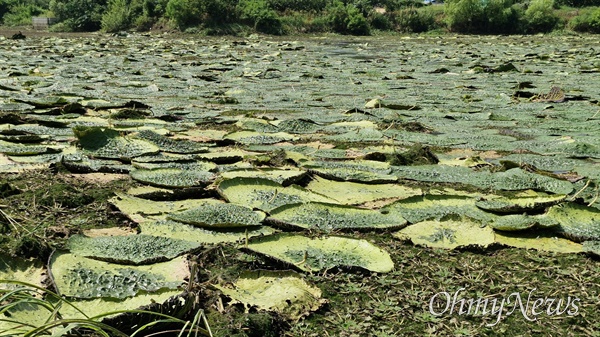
(51, 205)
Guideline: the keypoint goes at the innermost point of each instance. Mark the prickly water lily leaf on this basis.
(419, 208)
(538, 241)
(219, 216)
(517, 179)
(323, 253)
(139, 209)
(101, 306)
(350, 193)
(264, 194)
(251, 137)
(80, 277)
(447, 234)
(517, 222)
(284, 292)
(520, 204)
(592, 247)
(110, 144)
(285, 176)
(130, 249)
(173, 178)
(328, 217)
(372, 172)
(577, 222)
(167, 144)
(181, 231)
(15, 149)
(18, 269)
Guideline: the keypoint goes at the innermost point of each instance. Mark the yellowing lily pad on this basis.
(447, 234)
(284, 292)
(264, 194)
(141, 210)
(538, 241)
(350, 193)
(18, 269)
(323, 253)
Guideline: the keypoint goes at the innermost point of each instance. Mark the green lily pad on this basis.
(577, 222)
(167, 144)
(284, 176)
(372, 172)
(219, 216)
(76, 276)
(110, 144)
(284, 292)
(323, 253)
(519, 204)
(420, 208)
(328, 217)
(181, 231)
(447, 234)
(173, 178)
(592, 247)
(130, 249)
(251, 137)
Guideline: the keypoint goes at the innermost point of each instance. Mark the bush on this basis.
(117, 17)
(379, 21)
(413, 20)
(79, 15)
(475, 16)
(260, 15)
(296, 5)
(588, 21)
(347, 19)
(540, 17)
(21, 14)
(183, 12)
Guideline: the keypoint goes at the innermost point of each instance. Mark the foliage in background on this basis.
(540, 16)
(478, 17)
(347, 19)
(79, 15)
(587, 21)
(258, 14)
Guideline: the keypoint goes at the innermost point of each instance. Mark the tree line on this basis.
(357, 17)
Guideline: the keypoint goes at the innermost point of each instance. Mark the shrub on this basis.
(260, 15)
(296, 5)
(588, 21)
(540, 16)
(465, 16)
(117, 17)
(379, 21)
(347, 19)
(183, 12)
(413, 20)
(21, 14)
(475, 16)
(79, 15)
